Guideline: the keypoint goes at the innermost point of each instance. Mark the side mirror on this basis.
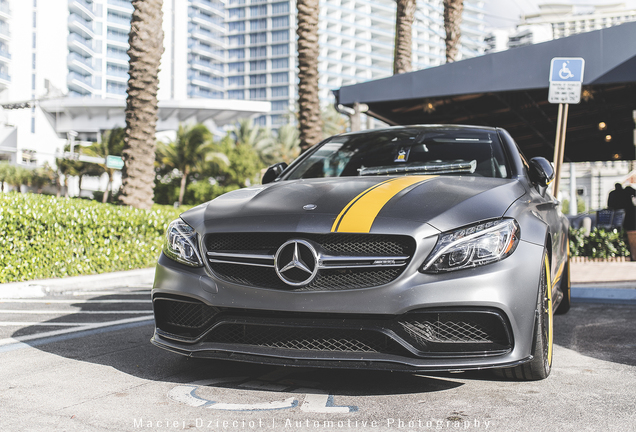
(273, 172)
(541, 172)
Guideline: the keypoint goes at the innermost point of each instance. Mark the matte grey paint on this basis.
(421, 211)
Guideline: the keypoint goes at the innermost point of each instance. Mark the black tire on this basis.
(541, 364)
(564, 286)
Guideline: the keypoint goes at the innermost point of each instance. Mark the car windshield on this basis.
(452, 151)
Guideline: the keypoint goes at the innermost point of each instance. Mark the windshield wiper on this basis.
(427, 168)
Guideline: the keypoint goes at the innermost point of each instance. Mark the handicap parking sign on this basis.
(566, 79)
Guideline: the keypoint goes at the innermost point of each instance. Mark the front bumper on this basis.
(504, 292)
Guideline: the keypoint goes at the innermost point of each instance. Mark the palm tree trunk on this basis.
(453, 10)
(184, 179)
(146, 47)
(309, 116)
(403, 36)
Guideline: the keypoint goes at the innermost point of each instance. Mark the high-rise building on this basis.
(356, 44)
(554, 21)
(68, 55)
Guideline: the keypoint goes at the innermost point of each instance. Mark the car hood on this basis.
(391, 205)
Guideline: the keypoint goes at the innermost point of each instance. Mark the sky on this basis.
(506, 13)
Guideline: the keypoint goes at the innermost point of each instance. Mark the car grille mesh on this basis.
(450, 328)
(326, 279)
(336, 243)
(420, 331)
(304, 339)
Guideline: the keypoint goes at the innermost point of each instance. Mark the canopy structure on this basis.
(96, 115)
(509, 89)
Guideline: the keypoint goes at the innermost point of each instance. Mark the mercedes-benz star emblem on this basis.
(296, 262)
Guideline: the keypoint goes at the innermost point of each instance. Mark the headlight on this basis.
(181, 244)
(473, 246)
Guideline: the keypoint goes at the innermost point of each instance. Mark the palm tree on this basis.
(112, 144)
(285, 147)
(309, 119)
(187, 153)
(404, 16)
(453, 10)
(247, 133)
(146, 47)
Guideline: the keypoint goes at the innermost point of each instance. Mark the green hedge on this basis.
(599, 244)
(45, 237)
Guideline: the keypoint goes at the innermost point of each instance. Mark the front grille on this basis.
(420, 333)
(188, 318)
(305, 339)
(335, 244)
(455, 328)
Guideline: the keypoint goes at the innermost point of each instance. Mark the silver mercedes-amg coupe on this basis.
(418, 248)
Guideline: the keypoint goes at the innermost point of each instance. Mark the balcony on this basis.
(78, 43)
(4, 56)
(206, 66)
(5, 12)
(122, 4)
(80, 63)
(207, 51)
(210, 6)
(81, 26)
(118, 20)
(83, 8)
(80, 83)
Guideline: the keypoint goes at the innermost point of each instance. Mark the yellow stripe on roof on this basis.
(360, 213)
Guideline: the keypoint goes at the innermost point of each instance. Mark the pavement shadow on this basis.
(602, 331)
(127, 348)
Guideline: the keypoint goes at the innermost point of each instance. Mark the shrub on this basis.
(599, 244)
(47, 237)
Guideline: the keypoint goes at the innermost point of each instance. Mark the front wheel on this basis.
(541, 364)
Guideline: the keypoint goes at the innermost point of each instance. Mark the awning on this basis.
(509, 89)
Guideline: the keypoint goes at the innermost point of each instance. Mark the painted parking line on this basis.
(71, 311)
(92, 326)
(98, 293)
(38, 323)
(74, 301)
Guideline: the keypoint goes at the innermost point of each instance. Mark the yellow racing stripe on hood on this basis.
(360, 213)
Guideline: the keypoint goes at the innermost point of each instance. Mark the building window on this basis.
(236, 94)
(280, 78)
(238, 26)
(279, 50)
(236, 53)
(259, 24)
(236, 67)
(280, 105)
(279, 22)
(32, 125)
(240, 2)
(258, 38)
(237, 13)
(282, 63)
(258, 52)
(235, 81)
(260, 121)
(280, 36)
(256, 11)
(258, 79)
(236, 40)
(258, 93)
(280, 8)
(258, 65)
(280, 91)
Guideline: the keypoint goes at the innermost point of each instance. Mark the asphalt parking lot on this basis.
(83, 361)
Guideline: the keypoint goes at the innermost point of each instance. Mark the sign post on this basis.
(566, 81)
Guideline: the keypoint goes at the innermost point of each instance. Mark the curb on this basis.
(42, 287)
(626, 295)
